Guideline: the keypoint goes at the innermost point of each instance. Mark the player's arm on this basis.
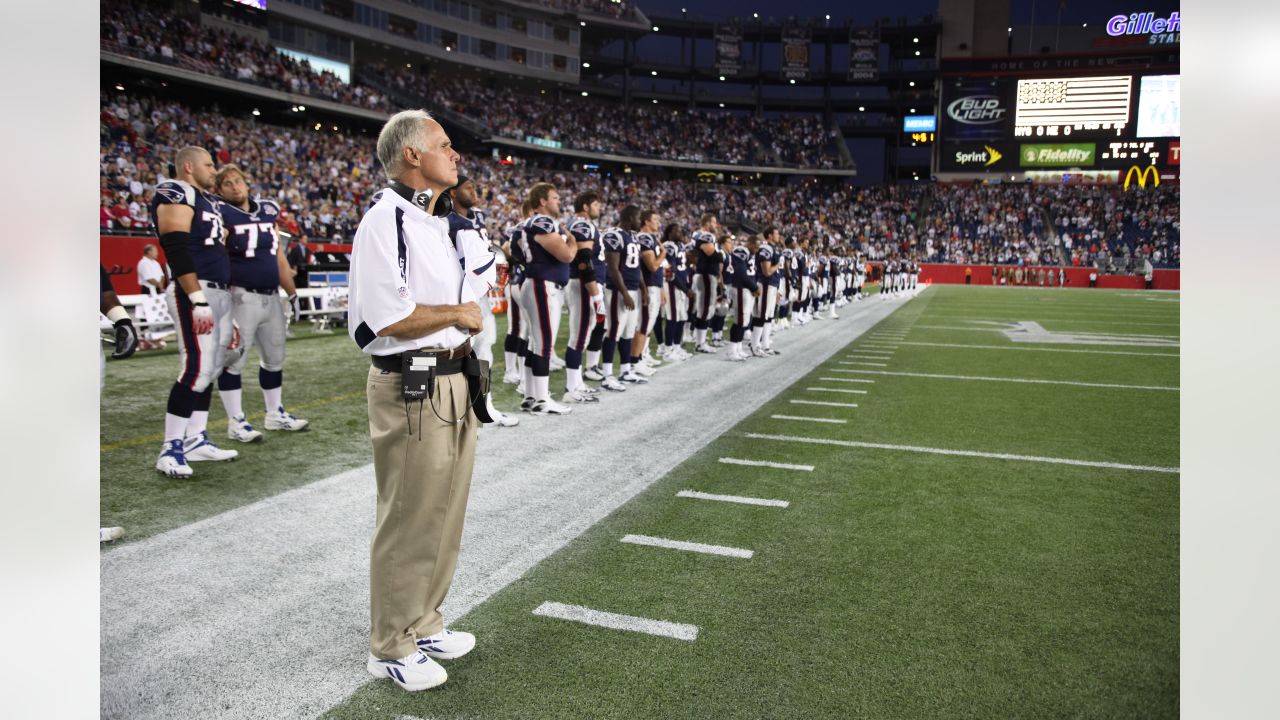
(173, 222)
(651, 261)
(614, 260)
(286, 276)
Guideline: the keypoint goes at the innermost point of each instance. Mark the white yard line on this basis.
(233, 593)
(872, 356)
(1073, 332)
(739, 499)
(1037, 349)
(766, 463)
(614, 621)
(862, 362)
(687, 546)
(824, 403)
(1033, 381)
(837, 390)
(796, 418)
(848, 380)
(964, 453)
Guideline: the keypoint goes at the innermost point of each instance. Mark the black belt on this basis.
(215, 285)
(261, 291)
(448, 362)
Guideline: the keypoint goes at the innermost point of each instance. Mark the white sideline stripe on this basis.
(849, 380)
(823, 402)
(862, 362)
(837, 390)
(1037, 349)
(765, 463)
(733, 499)
(1079, 334)
(829, 421)
(873, 356)
(614, 621)
(687, 546)
(1017, 380)
(878, 346)
(965, 453)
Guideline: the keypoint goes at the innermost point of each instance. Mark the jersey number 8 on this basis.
(633, 255)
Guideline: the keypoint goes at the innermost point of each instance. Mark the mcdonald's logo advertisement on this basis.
(1142, 176)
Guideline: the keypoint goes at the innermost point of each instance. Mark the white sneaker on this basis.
(642, 369)
(594, 373)
(198, 449)
(448, 645)
(651, 361)
(281, 420)
(504, 420)
(705, 348)
(734, 356)
(758, 351)
(589, 390)
(173, 461)
(556, 362)
(834, 316)
(511, 378)
(577, 396)
(632, 377)
(611, 383)
(549, 407)
(239, 429)
(413, 673)
(110, 534)
(717, 342)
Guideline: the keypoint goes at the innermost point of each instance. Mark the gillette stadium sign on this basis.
(1162, 31)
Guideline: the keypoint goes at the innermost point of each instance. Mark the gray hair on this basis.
(405, 128)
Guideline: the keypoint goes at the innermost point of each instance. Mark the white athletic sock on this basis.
(573, 378)
(593, 358)
(199, 421)
(511, 365)
(231, 402)
(175, 428)
(699, 336)
(528, 382)
(624, 368)
(488, 403)
(273, 398)
(756, 333)
(768, 335)
(541, 387)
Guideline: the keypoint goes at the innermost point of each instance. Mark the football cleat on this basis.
(110, 534)
(594, 373)
(511, 378)
(281, 420)
(631, 377)
(758, 351)
(413, 673)
(239, 429)
(705, 348)
(589, 390)
(526, 405)
(577, 396)
(173, 461)
(447, 644)
(556, 362)
(611, 383)
(642, 369)
(549, 407)
(197, 448)
(504, 419)
(734, 356)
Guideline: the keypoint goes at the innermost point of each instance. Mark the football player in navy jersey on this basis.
(258, 271)
(188, 221)
(745, 290)
(706, 279)
(469, 234)
(516, 344)
(769, 277)
(802, 280)
(622, 298)
(584, 296)
(675, 306)
(652, 255)
(600, 266)
(549, 252)
(724, 302)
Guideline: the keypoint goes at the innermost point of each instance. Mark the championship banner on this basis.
(728, 42)
(795, 53)
(864, 54)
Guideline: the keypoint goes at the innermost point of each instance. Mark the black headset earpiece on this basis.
(422, 198)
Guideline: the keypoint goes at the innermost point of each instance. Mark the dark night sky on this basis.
(1074, 11)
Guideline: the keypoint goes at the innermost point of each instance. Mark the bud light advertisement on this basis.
(976, 109)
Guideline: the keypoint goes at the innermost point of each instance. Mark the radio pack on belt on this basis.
(417, 375)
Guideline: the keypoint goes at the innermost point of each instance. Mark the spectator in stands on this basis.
(151, 275)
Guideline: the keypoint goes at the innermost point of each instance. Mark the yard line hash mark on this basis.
(1032, 381)
(614, 621)
(739, 499)
(796, 418)
(837, 390)
(1038, 349)
(765, 463)
(688, 546)
(823, 402)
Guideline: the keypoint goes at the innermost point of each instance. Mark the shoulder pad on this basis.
(543, 224)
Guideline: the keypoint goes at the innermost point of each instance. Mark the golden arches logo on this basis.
(1145, 174)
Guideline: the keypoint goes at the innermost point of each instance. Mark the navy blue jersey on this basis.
(598, 258)
(651, 244)
(801, 265)
(206, 246)
(543, 265)
(783, 262)
(252, 244)
(765, 254)
(707, 264)
(743, 263)
(515, 258)
(678, 258)
(583, 230)
(624, 243)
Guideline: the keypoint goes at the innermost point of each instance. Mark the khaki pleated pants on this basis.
(423, 464)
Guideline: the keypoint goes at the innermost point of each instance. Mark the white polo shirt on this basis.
(149, 269)
(401, 257)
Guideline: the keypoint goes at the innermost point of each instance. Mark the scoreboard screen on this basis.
(1061, 107)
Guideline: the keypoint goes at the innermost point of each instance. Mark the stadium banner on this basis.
(977, 110)
(980, 157)
(728, 43)
(864, 54)
(1075, 62)
(1175, 152)
(795, 53)
(1058, 155)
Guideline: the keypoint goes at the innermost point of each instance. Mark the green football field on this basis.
(974, 526)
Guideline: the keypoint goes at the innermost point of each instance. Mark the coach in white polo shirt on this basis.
(411, 310)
